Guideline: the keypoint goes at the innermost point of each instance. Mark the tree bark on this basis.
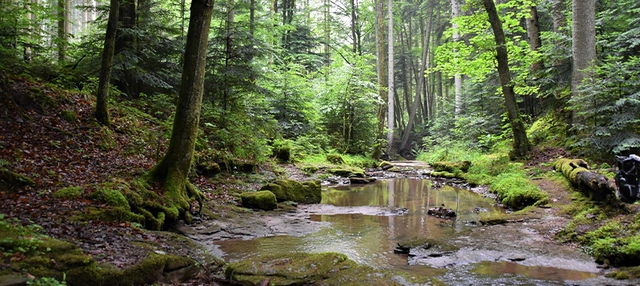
(457, 79)
(533, 31)
(102, 102)
(173, 169)
(584, 42)
(63, 29)
(381, 52)
(521, 145)
(390, 93)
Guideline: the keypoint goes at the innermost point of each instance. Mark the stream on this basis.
(366, 223)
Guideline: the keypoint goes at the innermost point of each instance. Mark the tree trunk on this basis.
(421, 79)
(584, 43)
(533, 31)
(457, 79)
(521, 145)
(173, 169)
(125, 43)
(390, 93)
(102, 102)
(63, 29)
(381, 71)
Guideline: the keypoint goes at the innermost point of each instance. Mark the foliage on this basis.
(609, 107)
(48, 281)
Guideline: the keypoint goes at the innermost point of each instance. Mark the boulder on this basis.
(263, 200)
(289, 190)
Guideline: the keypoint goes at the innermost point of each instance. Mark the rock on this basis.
(309, 192)
(263, 200)
(335, 159)
(361, 181)
(442, 212)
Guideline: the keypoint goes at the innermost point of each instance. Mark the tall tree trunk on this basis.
(521, 145)
(533, 31)
(421, 80)
(173, 169)
(391, 89)
(584, 43)
(63, 29)
(557, 14)
(381, 53)
(457, 79)
(126, 43)
(102, 102)
(354, 26)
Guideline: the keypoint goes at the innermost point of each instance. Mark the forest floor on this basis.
(48, 134)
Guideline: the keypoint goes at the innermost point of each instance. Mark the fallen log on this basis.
(577, 172)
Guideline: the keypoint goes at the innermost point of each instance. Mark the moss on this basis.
(451, 167)
(289, 190)
(264, 200)
(68, 193)
(445, 174)
(335, 159)
(314, 269)
(110, 197)
(117, 214)
(10, 180)
(385, 164)
(347, 173)
(310, 169)
(515, 191)
(68, 115)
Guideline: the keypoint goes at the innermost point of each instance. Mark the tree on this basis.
(521, 145)
(584, 42)
(421, 80)
(455, 12)
(102, 102)
(390, 93)
(64, 26)
(173, 169)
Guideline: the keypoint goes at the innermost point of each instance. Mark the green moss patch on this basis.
(515, 191)
(314, 269)
(347, 172)
(289, 190)
(68, 193)
(263, 200)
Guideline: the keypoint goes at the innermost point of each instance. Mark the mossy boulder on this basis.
(451, 167)
(314, 269)
(347, 172)
(263, 200)
(289, 190)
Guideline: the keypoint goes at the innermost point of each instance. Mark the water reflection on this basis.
(371, 239)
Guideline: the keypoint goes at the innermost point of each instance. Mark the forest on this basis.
(144, 118)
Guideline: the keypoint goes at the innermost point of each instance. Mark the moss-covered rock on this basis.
(347, 172)
(263, 200)
(68, 193)
(451, 167)
(314, 269)
(290, 190)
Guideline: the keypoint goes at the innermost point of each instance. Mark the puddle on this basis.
(366, 223)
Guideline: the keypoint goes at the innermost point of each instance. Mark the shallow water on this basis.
(370, 239)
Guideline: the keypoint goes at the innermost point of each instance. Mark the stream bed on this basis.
(367, 222)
